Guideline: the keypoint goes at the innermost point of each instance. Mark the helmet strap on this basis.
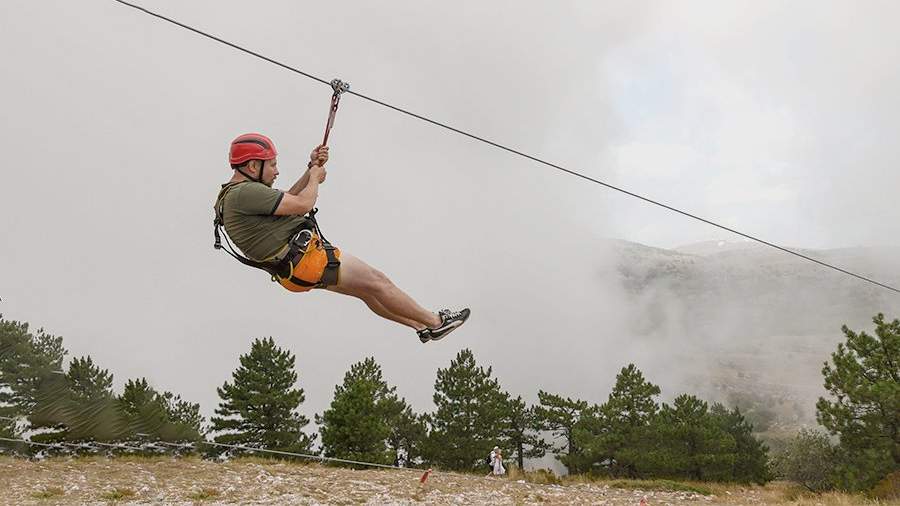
(244, 174)
(251, 178)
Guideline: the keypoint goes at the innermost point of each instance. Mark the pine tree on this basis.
(28, 362)
(751, 456)
(523, 431)
(683, 441)
(142, 408)
(182, 412)
(468, 420)
(82, 408)
(604, 431)
(157, 416)
(30, 374)
(560, 416)
(864, 383)
(87, 381)
(356, 425)
(259, 407)
(408, 432)
(8, 429)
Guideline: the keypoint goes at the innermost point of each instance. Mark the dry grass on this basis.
(792, 494)
(48, 493)
(665, 485)
(539, 477)
(118, 493)
(889, 487)
(776, 493)
(204, 494)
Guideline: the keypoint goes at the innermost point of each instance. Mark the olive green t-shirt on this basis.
(249, 222)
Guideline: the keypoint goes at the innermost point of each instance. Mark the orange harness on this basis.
(309, 267)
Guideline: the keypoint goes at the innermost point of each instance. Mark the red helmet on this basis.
(251, 147)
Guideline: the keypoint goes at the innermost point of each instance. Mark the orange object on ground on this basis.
(425, 476)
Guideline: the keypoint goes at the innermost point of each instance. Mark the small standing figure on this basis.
(496, 462)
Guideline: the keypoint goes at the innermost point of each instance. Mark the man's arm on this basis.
(300, 184)
(305, 199)
(318, 157)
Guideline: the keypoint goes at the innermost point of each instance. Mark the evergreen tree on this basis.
(356, 426)
(77, 405)
(82, 407)
(560, 416)
(408, 432)
(259, 407)
(87, 381)
(683, 441)
(182, 412)
(864, 383)
(28, 362)
(604, 431)
(523, 431)
(751, 456)
(9, 428)
(157, 415)
(30, 373)
(468, 421)
(142, 408)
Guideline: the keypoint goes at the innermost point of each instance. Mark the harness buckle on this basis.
(301, 239)
(218, 243)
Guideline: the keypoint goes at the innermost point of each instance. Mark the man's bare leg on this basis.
(360, 280)
(378, 309)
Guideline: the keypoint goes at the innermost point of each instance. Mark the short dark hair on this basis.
(239, 166)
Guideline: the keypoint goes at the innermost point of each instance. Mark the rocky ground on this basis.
(164, 480)
(174, 481)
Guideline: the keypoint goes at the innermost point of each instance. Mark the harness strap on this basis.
(283, 268)
(331, 273)
(332, 268)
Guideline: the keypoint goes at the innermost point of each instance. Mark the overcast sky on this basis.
(779, 119)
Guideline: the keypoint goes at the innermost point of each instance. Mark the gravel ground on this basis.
(192, 481)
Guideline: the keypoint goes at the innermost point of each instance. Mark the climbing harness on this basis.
(308, 253)
(310, 261)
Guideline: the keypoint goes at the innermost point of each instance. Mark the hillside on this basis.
(756, 323)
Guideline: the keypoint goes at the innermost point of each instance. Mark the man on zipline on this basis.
(277, 232)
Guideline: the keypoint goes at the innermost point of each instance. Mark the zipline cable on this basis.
(516, 152)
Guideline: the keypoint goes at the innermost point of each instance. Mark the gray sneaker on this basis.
(424, 335)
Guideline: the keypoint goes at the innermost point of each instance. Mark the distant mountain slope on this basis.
(775, 292)
(751, 322)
